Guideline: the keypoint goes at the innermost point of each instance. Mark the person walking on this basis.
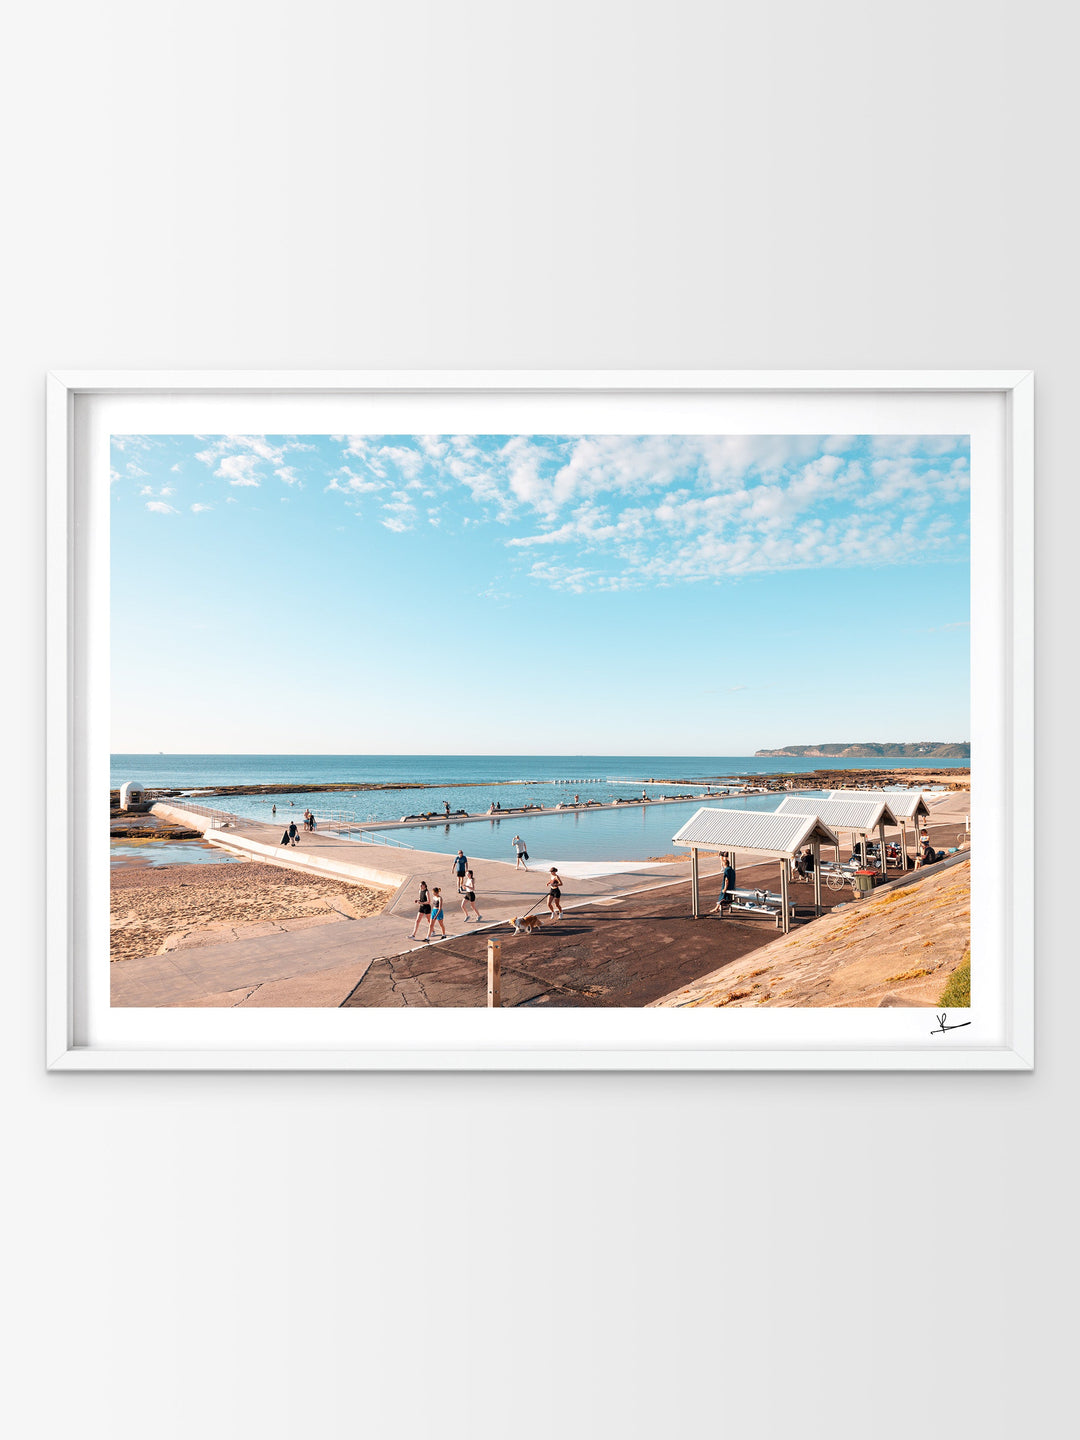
(555, 894)
(311, 813)
(436, 913)
(522, 853)
(459, 868)
(273, 809)
(307, 819)
(469, 897)
(294, 833)
(423, 909)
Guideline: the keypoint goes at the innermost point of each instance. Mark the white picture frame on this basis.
(72, 1042)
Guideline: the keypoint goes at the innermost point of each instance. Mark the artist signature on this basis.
(942, 1027)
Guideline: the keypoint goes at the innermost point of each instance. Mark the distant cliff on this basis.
(889, 749)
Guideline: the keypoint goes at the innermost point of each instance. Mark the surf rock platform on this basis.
(323, 965)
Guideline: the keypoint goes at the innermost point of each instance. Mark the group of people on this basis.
(291, 835)
(429, 903)
(803, 864)
(430, 906)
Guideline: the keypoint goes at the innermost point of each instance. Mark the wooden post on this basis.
(881, 846)
(494, 975)
(694, 881)
(785, 865)
(817, 875)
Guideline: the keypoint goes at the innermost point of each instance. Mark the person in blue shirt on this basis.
(460, 866)
(727, 885)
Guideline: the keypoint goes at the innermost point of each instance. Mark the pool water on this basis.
(636, 832)
(383, 805)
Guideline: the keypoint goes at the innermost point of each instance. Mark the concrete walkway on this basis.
(321, 967)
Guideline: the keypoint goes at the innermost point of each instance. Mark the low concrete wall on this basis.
(241, 842)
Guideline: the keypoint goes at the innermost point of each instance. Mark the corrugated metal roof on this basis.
(711, 829)
(863, 812)
(903, 803)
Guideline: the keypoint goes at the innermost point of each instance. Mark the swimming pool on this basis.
(633, 832)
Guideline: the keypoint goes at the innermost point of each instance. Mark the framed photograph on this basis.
(540, 720)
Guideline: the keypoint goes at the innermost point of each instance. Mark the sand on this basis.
(178, 906)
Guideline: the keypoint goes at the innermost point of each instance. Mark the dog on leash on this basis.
(523, 926)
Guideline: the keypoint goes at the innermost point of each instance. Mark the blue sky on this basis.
(537, 594)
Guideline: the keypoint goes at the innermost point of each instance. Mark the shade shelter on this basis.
(908, 806)
(766, 837)
(862, 814)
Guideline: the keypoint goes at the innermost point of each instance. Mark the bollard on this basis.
(494, 975)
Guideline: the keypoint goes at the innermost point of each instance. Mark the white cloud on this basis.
(240, 459)
(137, 443)
(239, 469)
(612, 511)
(348, 480)
(198, 508)
(159, 507)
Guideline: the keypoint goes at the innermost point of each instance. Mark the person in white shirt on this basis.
(522, 853)
(469, 897)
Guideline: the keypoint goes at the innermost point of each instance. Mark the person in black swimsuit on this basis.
(555, 894)
(423, 909)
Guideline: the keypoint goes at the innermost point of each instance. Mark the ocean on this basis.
(447, 770)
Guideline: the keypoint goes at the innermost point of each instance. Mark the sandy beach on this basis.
(179, 906)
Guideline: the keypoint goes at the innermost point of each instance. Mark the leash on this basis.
(539, 900)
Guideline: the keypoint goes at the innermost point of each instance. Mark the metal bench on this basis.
(760, 902)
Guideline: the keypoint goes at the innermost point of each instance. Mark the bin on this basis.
(864, 881)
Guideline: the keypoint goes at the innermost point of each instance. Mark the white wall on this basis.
(578, 183)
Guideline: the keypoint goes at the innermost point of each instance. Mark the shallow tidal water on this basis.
(166, 852)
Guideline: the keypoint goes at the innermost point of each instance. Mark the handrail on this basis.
(339, 821)
(220, 819)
